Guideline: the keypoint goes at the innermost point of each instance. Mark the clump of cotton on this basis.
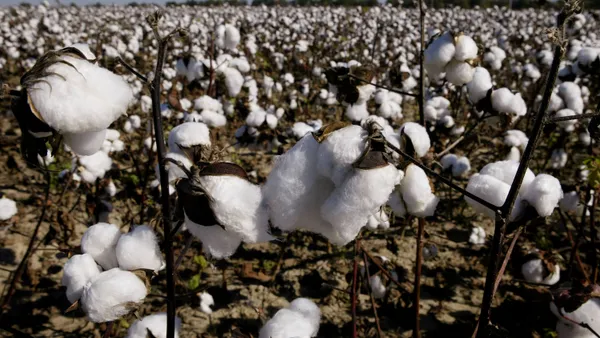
(416, 192)
(234, 80)
(378, 220)
(543, 194)
(228, 37)
(86, 143)
(534, 272)
(479, 85)
(477, 236)
(504, 101)
(438, 54)
(77, 272)
(8, 208)
(100, 241)
(206, 301)
(139, 249)
(300, 319)
(436, 108)
(494, 57)
(94, 166)
(515, 138)
(506, 171)
(571, 94)
(569, 202)
(451, 55)
(111, 295)
(418, 136)
(459, 72)
(339, 150)
(156, 323)
(587, 313)
(458, 165)
(189, 134)
(378, 289)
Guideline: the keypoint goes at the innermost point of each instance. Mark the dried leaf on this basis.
(73, 307)
(247, 272)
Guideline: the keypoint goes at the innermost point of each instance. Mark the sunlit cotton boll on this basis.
(416, 192)
(156, 323)
(337, 153)
(100, 241)
(466, 48)
(418, 137)
(588, 313)
(228, 37)
(111, 295)
(438, 54)
(300, 319)
(543, 194)
(515, 138)
(477, 236)
(77, 272)
(86, 143)
(459, 72)
(8, 208)
(533, 272)
(139, 249)
(215, 241)
(504, 101)
(206, 301)
(492, 190)
(234, 80)
(506, 171)
(479, 85)
(188, 134)
(95, 166)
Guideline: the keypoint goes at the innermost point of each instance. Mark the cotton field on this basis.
(284, 171)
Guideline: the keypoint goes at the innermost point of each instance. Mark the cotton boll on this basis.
(377, 288)
(461, 166)
(86, 143)
(543, 194)
(111, 189)
(395, 202)
(448, 160)
(339, 150)
(156, 323)
(480, 85)
(466, 48)
(567, 125)
(189, 134)
(418, 136)
(416, 192)
(8, 208)
(569, 202)
(513, 155)
(477, 236)
(300, 129)
(506, 171)
(515, 138)
(81, 98)
(492, 190)
(459, 73)
(533, 272)
(77, 272)
(139, 249)
(206, 301)
(216, 242)
(357, 111)
(256, 118)
(95, 166)
(100, 241)
(309, 310)
(502, 100)
(558, 158)
(587, 313)
(289, 322)
(439, 53)
(234, 81)
(271, 121)
(111, 295)
(213, 119)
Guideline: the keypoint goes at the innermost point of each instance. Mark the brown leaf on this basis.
(73, 307)
(173, 99)
(247, 272)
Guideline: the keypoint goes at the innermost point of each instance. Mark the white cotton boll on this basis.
(480, 85)
(543, 194)
(349, 206)
(461, 166)
(567, 125)
(256, 118)
(288, 183)
(110, 295)
(112, 134)
(213, 119)
(502, 100)
(558, 158)
(587, 313)
(466, 48)
(136, 121)
(111, 189)
(81, 98)
(416, 192)
(96, 165)
(230, 37)
(272, 121)
(357, 111)
(439, 53)
(395, 202)
(100, 241)
(533, 272)
(188, 134)
(86, 143)
(586, 56)
(377, 288)
(506, 171)
(8, 208)
(390, 109)
(299, 129)
(492, 190)
(418, 136)
(77, 272)
(515, 138)
(117, 146)
(156, 323)
(339, 150)
(477, 236)
(569, 202)
(301, 319)
(309, 310)
(206, 102)
(448, 160)
(459, 73)
(216, 242)
(513, 155)
(206, 301)
(234, 81)
(139, 249)
(238, 205)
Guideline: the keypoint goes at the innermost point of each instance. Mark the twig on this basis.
(382, 86)
(417, 286)
(354, 287)
(570, 118)
(572, 241)
(507, 258)
(188, 244)
(381, 268)
(462, 137)
(594, 235)
(373, 305)
(133, 71)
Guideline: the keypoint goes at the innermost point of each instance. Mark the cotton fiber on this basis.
(139, 249)
(300, 319)
(416, 192)
(188, 134)
(8, 208)
(156, 323)
(337, 153)
(543, 194)
(100, 241)
(77, 272)
(418, 136)
(533, 271)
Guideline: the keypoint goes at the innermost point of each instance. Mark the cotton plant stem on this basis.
(501, 218)
(417, 285)
(383, 87)
(572, 241)
(354, 294)
(507, 258)
(571, 118)
(580, 236)
(594, 236)
(373, 304)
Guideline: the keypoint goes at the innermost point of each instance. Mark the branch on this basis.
(373, 305)
(570, 118)
(382, 86)
(133, 71)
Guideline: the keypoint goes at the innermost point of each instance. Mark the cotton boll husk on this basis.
(418, 136)
(587, 313)
(339, 150)
(234, 81)
(110, 294)
(569, 202)
(238, 205)
(439, 53)
(206, 301)
(188, 134)
(77, 272)
(479, 85)
(459, 73)
(492, 190)
(533, 272)
(292, 176)
(349, 206)
(543, 194)
(377, 288)
(416, 192)
(100, 241)
(8, 208)
(506, 171)
(86, 143)
(156, 323)
(86, 97)
(216, 242)
(139, 249)
(466, 48)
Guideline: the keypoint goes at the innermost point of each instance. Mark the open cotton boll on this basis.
(86, 143)
(100, 241)
(173, 170)
(216, 242)
(238, 205)
(558, 158)
(477, 236)
(213, 119)
(533, 272)
(349, 206)
(459, 72)
(206, 301)
(588, 313)
(479, 85)
(292, 176)
(357, 111)
(515, 138)
(418, 136)
(298, 320)
(139, 249)
(439, 53)
(506, 171)
(416, 192)
(513, 155)
(228, 36)
(77, 272)
(256, 118)
(466, 48)
(156, 323)
(95, 166)
(543, 194)
(461, 166)
(569, 202)
(503, 100)
(395, 202)
(566, 125)
(111, 295)
(188, 134)
(234, 81)
(81, 98)
(309, 310)
(492, 190)
(8, 208)
(339, 150)
(377, 288)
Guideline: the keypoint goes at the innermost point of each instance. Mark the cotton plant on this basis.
(300, 319)
(156, 324)
(540, 269)
(457, 165)
(453, 55)
(570, 319)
